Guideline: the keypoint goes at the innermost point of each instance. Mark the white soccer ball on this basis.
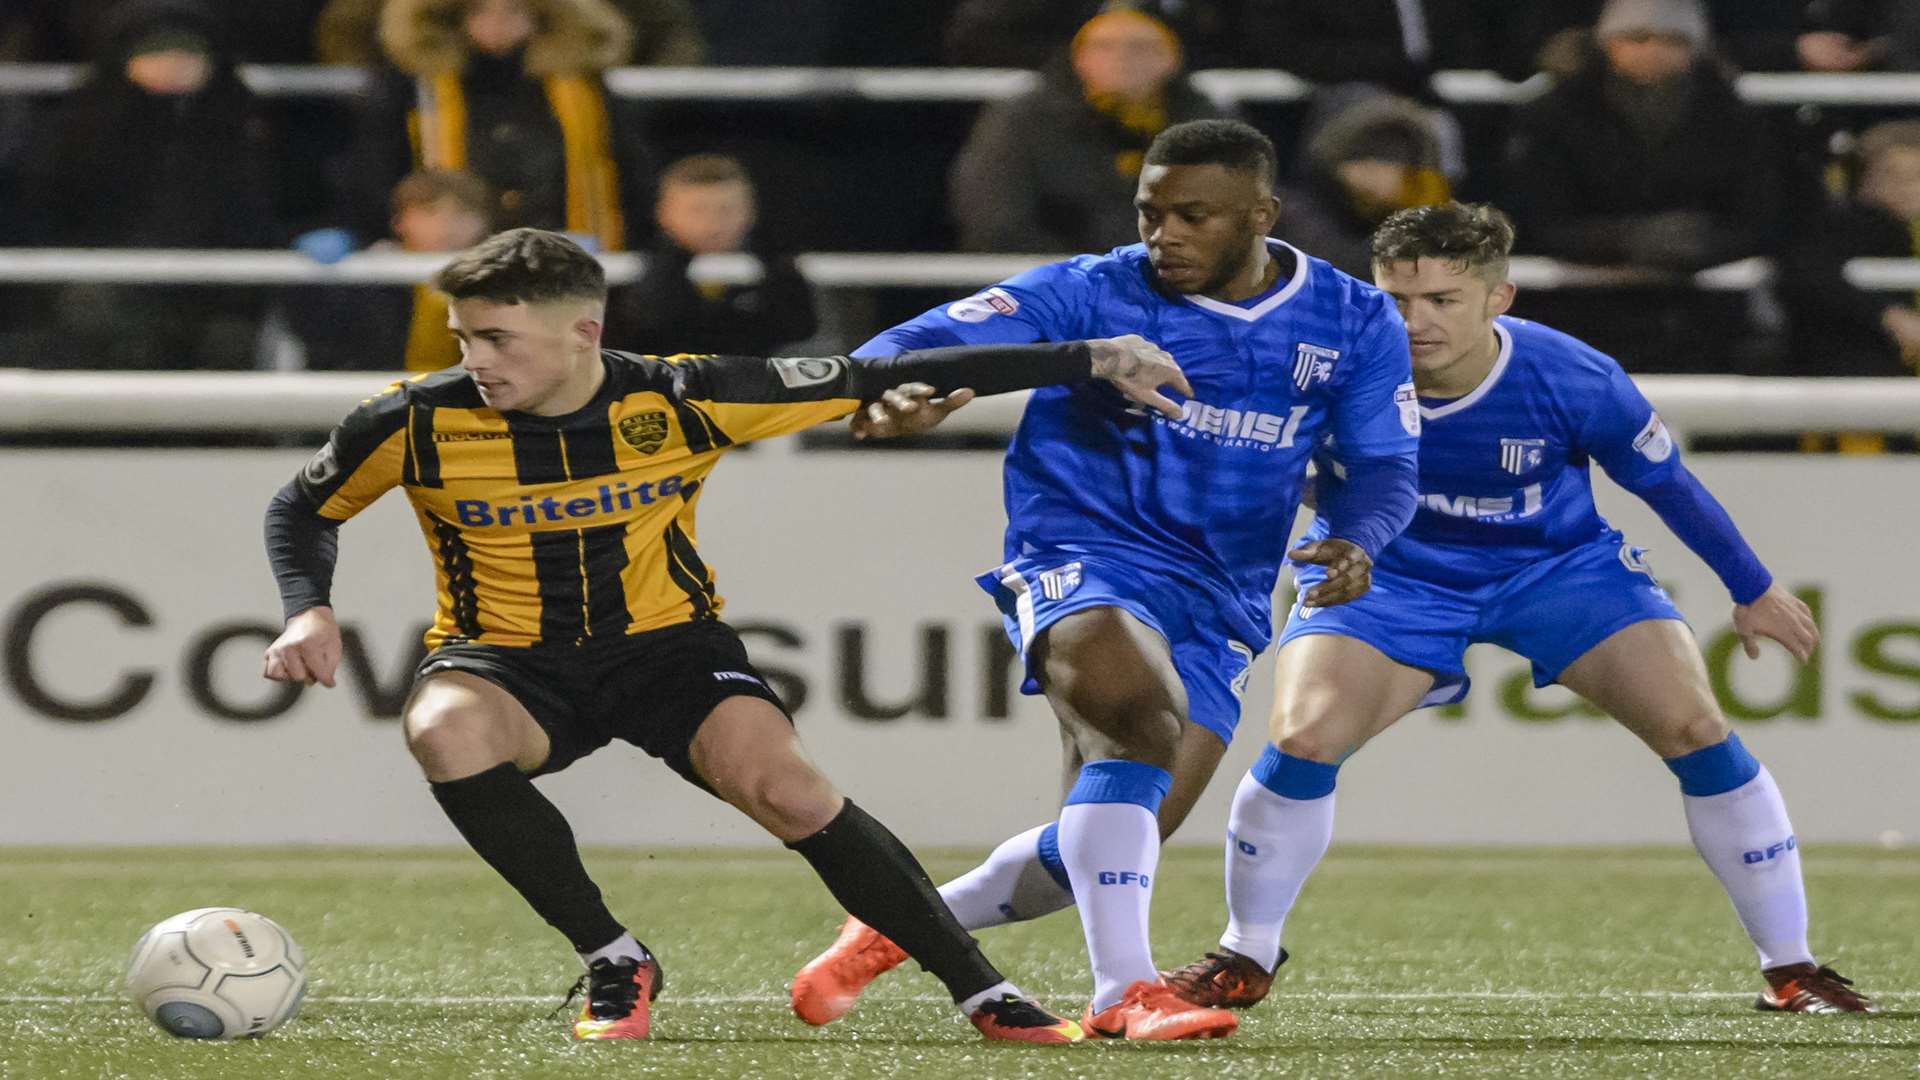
(217, 973)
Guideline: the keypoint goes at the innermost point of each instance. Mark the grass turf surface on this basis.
(1408, 962)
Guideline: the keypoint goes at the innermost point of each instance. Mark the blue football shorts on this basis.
(1552, 612)
(1035, 591)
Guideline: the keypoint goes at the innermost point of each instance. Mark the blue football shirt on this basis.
(1210, 497)
(1504, 470)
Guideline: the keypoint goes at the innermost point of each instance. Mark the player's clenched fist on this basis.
(1349, 571)
(307, 651)
(1138, 368)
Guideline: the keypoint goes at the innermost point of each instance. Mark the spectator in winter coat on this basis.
(1054, 170)
(1860, 35)
(510, 91)
(161, 146)
(1646, 157)
(707, 207)
(665, 33)
(1368, 158)
(1838, 327)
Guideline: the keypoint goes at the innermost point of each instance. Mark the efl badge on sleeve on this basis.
(1522, 456)
(1408, 402)
(1654, 442)
(645, 431)
(982, 306)
(800, 371)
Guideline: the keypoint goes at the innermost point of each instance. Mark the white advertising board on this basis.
(135, 601)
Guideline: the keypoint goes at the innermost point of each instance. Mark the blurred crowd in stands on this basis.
(487, 114)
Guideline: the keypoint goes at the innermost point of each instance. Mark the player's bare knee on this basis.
(1314, 744)
(1694, 730)
(1311, 725)
(451, 741)
(790, 803)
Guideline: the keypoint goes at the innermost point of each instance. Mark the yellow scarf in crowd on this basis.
(1142, 119)
(439, 130)
(593, 182)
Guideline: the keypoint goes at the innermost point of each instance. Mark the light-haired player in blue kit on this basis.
(1142, 551)
(1507, 548)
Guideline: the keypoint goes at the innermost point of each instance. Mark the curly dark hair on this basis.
(1216, 142)
(524, 266)
(1474, 236)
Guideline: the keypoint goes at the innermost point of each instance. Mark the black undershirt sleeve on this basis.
(302, 547)
(986, 369)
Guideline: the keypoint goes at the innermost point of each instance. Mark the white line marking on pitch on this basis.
(771, 999)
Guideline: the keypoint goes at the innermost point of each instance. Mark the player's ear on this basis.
(1266, 213)
(587, 328)
(1500, 300)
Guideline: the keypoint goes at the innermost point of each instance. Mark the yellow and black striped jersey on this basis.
(558, 530)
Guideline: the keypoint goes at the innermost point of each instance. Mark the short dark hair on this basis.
(1474, 236)
(428, 186)
(524, 266)
(1230, 143)
(705, 169)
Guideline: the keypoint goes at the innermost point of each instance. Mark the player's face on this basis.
(1449, 310)
(1200, 223)
(525, 357)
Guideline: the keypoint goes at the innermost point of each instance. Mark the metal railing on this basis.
(309, 401)
(167, 266)
(1226, 86)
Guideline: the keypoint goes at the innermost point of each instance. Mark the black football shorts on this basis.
(652, 689)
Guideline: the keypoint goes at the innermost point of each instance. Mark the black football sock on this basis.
(879, 882)
(526, 840)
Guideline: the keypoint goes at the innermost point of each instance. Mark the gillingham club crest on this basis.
(1312, 365)
(1520, 456)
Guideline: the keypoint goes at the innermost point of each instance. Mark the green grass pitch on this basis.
(1409, 962)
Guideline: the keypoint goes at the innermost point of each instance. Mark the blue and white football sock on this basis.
(1279, 827)
(1110, 843)
(1740, 827)
(1022, 879)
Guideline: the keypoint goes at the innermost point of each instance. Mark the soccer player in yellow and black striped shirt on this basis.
(555, 483)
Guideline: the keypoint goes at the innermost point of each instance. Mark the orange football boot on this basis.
(1151, 1011)
(826, 989)
(620, 994)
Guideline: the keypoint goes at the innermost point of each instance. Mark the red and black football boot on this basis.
(1223, 980)
(1805, 988)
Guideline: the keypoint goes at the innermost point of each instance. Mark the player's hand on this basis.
(908, 409)
(307, 651)
(1138, 368)
(1780, 615)
(1349, 571)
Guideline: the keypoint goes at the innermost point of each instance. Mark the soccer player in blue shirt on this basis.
(1142, 551)
(1507, 547)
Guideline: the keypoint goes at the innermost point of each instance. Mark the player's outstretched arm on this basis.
(1133, 365)
(1780, 615)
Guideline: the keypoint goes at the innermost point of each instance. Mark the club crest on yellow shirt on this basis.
(645, 431)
